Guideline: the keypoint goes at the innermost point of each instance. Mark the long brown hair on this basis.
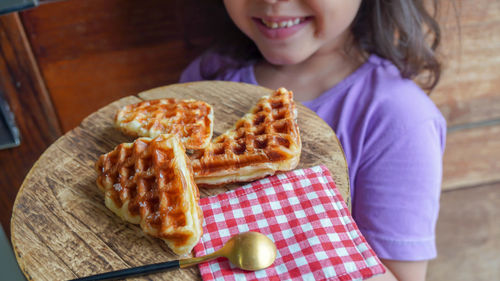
(404, 32)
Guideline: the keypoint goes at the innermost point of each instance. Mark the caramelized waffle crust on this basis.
(262, 142)
(150, 182)
(191, 120)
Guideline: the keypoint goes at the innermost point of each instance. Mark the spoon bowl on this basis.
(250, 251)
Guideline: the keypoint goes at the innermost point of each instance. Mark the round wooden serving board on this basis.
(60, 227)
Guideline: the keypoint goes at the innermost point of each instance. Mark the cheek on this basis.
(335, 17)
(236, 10)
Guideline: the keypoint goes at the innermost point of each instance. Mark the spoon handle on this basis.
(134, 271)
(194, 261)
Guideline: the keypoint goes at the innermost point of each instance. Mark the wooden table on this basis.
(60, 226)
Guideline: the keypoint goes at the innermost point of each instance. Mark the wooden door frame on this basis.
(24, 89)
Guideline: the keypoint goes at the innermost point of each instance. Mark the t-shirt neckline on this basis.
(338, 88)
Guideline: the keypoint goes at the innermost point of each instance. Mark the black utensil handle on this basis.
(134, 271)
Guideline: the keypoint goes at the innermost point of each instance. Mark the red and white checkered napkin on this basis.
(304, 214)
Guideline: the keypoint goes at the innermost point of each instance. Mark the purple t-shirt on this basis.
(393, 137)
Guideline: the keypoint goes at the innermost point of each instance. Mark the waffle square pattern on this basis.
(150, 182)
(191, 120)
(264, 141)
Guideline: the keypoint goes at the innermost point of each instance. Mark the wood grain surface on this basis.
(60, 226)
(24, 90)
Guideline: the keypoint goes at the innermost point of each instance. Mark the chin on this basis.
(283, 58)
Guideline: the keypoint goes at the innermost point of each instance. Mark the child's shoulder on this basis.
(388, 101)
(397, 98)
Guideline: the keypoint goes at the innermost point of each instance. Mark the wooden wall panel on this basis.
(472, 157)
(25, 92)
(468, 232)
(468, 235)
(93, 52)
(469, 90)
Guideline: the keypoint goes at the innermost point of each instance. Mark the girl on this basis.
(353, 62)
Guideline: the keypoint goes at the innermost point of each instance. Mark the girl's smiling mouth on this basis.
(280, 27)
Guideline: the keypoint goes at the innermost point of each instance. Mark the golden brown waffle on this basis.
(262, 142)
(191, 120)
(150, 182)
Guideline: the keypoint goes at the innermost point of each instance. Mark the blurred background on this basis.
(62, 60)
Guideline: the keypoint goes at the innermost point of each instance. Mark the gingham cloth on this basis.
(304, 214)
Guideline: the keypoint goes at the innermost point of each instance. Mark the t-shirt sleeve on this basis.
(398, 185)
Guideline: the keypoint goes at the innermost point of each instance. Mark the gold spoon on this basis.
(248, 251)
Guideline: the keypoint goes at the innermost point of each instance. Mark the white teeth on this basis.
(281, 24)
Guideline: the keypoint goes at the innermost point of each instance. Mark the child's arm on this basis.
(402, 271)
(407, 270)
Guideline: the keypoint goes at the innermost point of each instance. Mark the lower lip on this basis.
(279, 33)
